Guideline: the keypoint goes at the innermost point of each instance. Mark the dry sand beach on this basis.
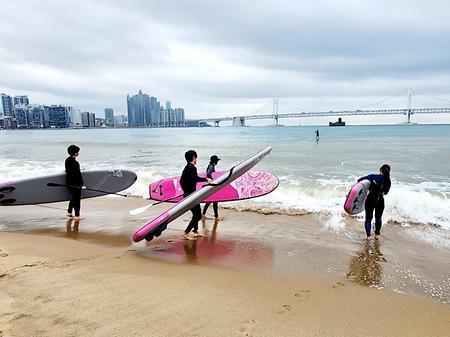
(254, 275)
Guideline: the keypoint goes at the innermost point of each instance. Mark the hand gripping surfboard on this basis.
(156, 226)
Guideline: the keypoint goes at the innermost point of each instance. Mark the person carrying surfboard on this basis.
(188, 182)
(74, 181)
(379, 186)
(213, 161)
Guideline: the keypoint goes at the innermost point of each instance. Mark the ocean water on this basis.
(314, 176)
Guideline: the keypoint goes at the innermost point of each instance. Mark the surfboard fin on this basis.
(156, 232)
(7, 189)
(7, 201)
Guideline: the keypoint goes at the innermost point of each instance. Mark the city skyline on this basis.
(220, 59)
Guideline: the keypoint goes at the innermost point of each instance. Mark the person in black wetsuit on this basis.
(74, 181)
(379, 186)
(209, 170)
(188, 181)
(317, 135)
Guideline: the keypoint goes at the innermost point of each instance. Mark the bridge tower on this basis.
(275, 111)
(238, 121)
(409, 111)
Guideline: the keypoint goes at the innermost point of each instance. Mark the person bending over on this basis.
(379, 186)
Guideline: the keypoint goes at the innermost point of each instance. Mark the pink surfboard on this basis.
(251, 184)
(356, 197)
(155, 227)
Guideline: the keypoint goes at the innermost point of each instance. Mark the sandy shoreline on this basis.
(246, 279)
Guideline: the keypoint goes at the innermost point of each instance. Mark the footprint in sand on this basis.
(3, 254)
(303, 294)
(284, 309)
(247, 327)
(339, 284)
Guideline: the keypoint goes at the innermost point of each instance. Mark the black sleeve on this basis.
(209, 171)
(195, 177)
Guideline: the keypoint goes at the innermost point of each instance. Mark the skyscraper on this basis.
(109, 116)
(7, 106)
(58, 116)
(21, 100)
(143, 110)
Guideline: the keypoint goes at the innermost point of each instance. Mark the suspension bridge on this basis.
(239, 120)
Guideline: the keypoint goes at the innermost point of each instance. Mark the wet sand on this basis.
(254, 275)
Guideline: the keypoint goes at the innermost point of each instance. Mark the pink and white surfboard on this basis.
(251, 184)
(356, 197)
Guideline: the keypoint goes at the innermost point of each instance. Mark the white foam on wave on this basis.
(407, 204)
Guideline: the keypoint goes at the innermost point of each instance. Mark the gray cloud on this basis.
(203, 54)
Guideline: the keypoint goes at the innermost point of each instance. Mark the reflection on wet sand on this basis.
(210, 250)
(365, 265)
(72, 228)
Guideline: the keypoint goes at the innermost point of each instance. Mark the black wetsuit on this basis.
(209, 171)
(188, 181)
(375, 201)
(74, 181)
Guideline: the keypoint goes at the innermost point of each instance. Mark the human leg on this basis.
(379, 208)
(369, 207)
(76, 193)
(196, 217)
(216, 209)
(205, 208)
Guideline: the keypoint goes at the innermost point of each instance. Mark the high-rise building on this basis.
(143, 110)
(58, 116)
(75, 118)
(38, 116)
(21, 100)
(7, 106)
(20, 113)
(109, 116)
(88, 119)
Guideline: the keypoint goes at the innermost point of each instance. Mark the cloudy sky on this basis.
(217, 58)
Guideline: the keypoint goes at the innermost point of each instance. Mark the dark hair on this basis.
(214, 159)
(386, 172)
(190, 155)
(72, 150)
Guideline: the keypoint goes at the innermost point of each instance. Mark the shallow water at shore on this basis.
(267, 244)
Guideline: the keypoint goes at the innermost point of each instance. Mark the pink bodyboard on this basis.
(251, 184)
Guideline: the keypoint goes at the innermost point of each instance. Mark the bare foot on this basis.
(78, 217)
(199, 235)
(69, 215)
(377, 236)
(368, 238)
(187, 237)
(219, 218)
